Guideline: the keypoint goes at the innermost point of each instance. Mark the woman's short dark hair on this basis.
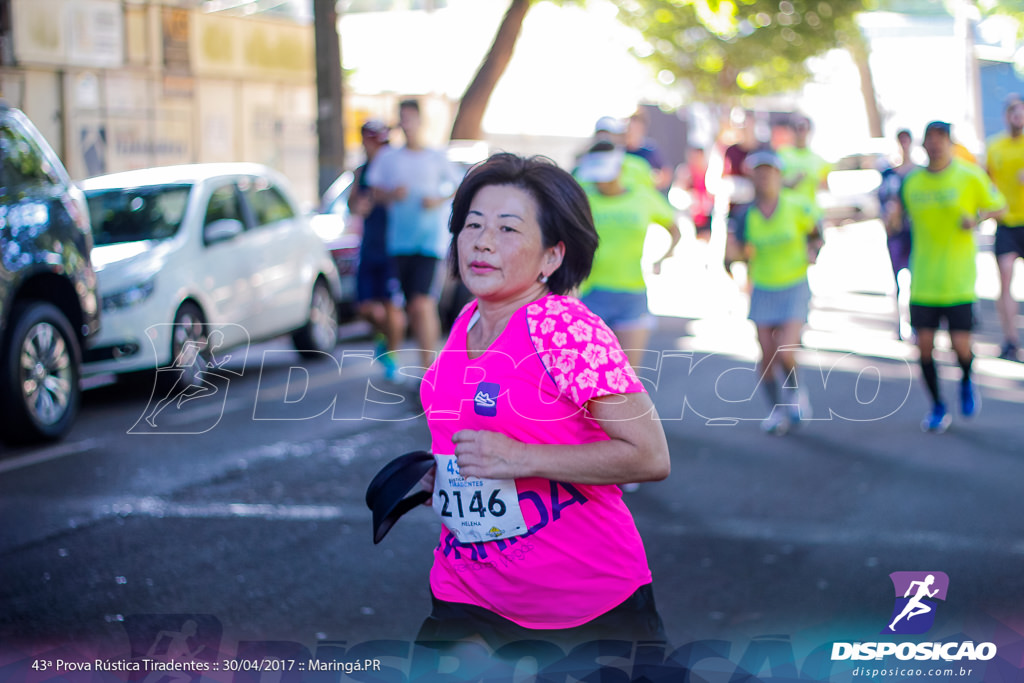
(563, 211)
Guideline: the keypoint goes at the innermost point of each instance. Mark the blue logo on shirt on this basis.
(486, 400)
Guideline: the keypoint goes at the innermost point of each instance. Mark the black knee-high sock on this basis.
(931, 379)
(965, 365)
(770, 385)
(771, 389)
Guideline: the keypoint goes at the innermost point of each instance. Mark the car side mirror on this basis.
(222, 230)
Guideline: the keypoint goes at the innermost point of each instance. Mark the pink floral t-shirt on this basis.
(582, 554)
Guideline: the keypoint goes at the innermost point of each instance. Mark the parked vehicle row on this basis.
(148, 269)
(333, 224)
(49, 305)
(155, 268)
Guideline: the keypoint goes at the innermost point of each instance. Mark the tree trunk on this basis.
(468, 124)
(329, 123)
(858, 49)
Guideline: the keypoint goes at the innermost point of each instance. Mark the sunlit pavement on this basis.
(853, 309)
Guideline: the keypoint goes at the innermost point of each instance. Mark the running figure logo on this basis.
(916, 596)
(199, 377)
(168, 639)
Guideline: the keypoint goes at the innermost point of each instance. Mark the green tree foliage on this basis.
(1009, 8)
(726, 49)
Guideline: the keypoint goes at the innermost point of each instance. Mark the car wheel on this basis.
(320, 334)
(190, 345)
(40, 395)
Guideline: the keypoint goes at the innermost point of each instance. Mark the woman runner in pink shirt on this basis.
(535, 416)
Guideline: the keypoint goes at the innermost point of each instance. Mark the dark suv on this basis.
(48, 301)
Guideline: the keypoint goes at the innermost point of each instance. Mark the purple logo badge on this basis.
(916, 596)
(486, 400)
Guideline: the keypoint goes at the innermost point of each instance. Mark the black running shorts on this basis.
(418, 275)
(1009, 240)
(636, 619)
(959, 318)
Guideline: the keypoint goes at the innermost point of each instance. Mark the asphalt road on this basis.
(238, 519)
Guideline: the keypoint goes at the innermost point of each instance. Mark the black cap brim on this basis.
(387, 493)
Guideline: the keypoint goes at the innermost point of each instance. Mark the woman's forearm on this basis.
(602, 462)
(635, 451)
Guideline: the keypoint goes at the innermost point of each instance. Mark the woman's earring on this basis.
(543, 279)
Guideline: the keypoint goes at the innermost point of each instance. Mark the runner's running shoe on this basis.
(380, 345)
(777, 423)
(968, 399)
(380, 352)
(800, 409)
(937, 420)
(1009, 351)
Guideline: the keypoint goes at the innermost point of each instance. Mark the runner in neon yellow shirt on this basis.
(776, 244)
(615, 289)
(945, 201)
(802, 169)
(622, 220)
(778, 236)
(636, 171)
(1006, 166)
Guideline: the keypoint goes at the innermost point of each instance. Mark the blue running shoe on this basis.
(800, 409)
(390, 368)
(777, 423)
(937, 420)
(381, 354)
(968, 399)
(380, 345)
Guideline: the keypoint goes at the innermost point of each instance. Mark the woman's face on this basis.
(501, 250)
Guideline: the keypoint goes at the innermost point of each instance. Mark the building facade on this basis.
(117, 85)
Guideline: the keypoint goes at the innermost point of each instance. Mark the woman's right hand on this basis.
(427, 483)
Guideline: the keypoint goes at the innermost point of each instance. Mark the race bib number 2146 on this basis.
(476, 509)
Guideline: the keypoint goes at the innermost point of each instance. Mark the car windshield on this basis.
(137, 213)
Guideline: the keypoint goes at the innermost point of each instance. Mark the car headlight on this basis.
(129, 297)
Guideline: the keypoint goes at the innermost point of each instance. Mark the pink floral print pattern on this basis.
(578, 349)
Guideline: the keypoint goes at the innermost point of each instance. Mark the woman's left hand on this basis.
(484, 454)
(427, 483)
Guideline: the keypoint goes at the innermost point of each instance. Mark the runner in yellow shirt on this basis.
(615, 289)
(945, 201)
(802, 169)
(778, 236)
(636, 169)
(1005, 162)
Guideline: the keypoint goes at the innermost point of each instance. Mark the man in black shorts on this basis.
(416, 182)
(945, 201)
